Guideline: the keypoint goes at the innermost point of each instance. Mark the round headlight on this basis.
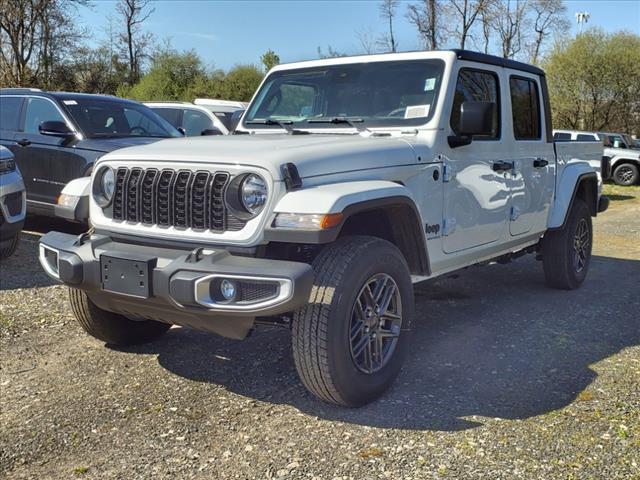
(253, 193)
(106, 185)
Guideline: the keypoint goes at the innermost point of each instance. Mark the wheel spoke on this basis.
(368, 354)
(356, 329)
(368, 297)
(359, 347)
(379, 290)
(386, 299)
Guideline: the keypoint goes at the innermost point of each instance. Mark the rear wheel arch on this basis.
(586, 189)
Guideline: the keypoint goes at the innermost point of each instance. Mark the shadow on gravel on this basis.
(494, 342)
(23, 265)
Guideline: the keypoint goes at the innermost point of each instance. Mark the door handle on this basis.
(540, 162)
(24, 142)
(502, 166)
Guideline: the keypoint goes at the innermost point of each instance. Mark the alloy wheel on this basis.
(376, 321)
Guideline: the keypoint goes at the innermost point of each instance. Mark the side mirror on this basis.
(211, 131)
(182, 131)
(55, 128)
(476, 118)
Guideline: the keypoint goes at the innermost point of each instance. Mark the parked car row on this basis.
(57, 137)
(620, 151)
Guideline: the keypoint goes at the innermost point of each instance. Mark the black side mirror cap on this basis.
(55, 128)
(211, 131)
(476, 118)
(182, 131)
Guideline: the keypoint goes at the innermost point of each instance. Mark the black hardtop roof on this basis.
(63, 95)
(498, 61)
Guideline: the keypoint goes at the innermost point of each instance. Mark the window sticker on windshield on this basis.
(417, 111)
(70, 102)
(429, 84)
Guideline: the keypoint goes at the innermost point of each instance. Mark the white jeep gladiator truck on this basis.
(348, 180)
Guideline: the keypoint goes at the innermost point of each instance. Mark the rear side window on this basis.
(561, 137)
(9, 112)
(525, 107)
(586, 138)
(478, 86)
(171, 115)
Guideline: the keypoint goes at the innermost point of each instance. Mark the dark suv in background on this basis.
(57, 137)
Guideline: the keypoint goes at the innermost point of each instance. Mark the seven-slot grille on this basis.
(167, 197)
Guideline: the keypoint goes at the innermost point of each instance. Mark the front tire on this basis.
(626, 174)
(350, 340)
(110, 327)
(566, 253)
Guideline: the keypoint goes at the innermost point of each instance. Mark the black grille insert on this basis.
(182, 198)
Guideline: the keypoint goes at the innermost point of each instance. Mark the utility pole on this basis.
(582, 18)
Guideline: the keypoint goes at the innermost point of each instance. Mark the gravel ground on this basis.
(507, 379)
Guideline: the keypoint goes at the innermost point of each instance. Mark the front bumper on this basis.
(178, 284)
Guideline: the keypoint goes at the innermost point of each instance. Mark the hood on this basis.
(317, 154)
(107, 145)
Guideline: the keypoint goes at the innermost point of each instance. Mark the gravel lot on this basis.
(507, 379)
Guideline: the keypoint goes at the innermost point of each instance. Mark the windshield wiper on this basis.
(351, 121)
(285, 124)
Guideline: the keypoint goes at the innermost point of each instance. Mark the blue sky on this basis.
(226, 33)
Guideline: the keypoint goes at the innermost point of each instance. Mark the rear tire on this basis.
(350, 340)
(626, 174)
(566, 253)
(10, 250)
(110, 327)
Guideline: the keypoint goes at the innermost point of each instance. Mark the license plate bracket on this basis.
(127, 275)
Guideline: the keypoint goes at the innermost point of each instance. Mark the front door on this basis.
(36, 154)
(476, 194)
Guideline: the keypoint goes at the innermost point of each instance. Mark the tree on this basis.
(367, 39)
(425, 16)
(240, 83)
(594, 82)
(548, 16)
(465, 13)
(509, 22)
(170, 77)
(269, 59)
(136, 42)
(387, 12)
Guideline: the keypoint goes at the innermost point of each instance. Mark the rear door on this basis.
(476, 196)
(171, 115)
(532, 179)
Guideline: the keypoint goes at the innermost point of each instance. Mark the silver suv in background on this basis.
(203, 117)
(13, 203)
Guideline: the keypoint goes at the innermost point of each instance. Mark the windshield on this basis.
(376, 94)
(104, 118)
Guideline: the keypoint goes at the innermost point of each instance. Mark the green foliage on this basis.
(171, 77)
(183, 76)
(269, 59)
(594, 82)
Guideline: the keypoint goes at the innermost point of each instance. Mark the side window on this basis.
(525, 108)
(478, 86)
(194, 122)
(171, 115)
(142, 125)
(9, 113)
(582, 137)
(561, 137)
(40, 110)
